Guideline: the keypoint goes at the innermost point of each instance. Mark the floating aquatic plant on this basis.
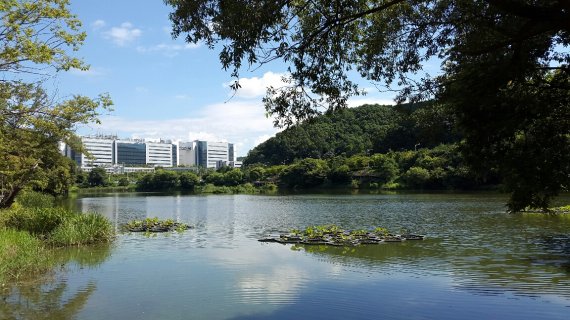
(336, 236)
(154, 225)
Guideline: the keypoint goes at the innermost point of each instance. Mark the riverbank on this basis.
(209, 188)
(33, 227)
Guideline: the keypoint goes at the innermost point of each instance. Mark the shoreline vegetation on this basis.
(34, 228)
(562, 210)
(360, 174)
(271, 188)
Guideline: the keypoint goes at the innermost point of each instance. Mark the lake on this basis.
(477, 262)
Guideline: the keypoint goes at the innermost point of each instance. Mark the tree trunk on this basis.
(8, 200)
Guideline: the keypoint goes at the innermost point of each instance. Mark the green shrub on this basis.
(32, 199)
(188, 180)
(416, 177)
(305, 173)
(269, 187)
(124, 181)
(256, 173)
(385, 166)
(83, 229)
(340, 174)
(233, 177)
(215, 178)
(222, 190)
(354, 184)
(37, 221)
(21, 254)
(97, 177)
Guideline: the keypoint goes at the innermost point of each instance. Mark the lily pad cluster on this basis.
(335, 236)
(155, 225)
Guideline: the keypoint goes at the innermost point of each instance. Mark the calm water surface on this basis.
(477, 263)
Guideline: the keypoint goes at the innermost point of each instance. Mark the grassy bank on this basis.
(22, 254)
(33, 228)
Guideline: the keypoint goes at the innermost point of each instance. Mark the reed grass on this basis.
(32, 199)
(22, 255)
(82, 229)
(33, 227)
(38, 221)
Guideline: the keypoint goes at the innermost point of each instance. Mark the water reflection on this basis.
(48, 300)
(280, 285)
(84, 257)
(480, 271)
(556, 251)
(52, 296)
(475, 257)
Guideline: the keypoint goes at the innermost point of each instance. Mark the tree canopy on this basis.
(36, 41)
(36, 37)
(504, 68)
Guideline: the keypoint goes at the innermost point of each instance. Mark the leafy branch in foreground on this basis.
(31, 128)
(36, 39)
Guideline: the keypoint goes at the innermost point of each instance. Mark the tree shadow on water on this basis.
(50, 296)
(556, 250)
(49, 300)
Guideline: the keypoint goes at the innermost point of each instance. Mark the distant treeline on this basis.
(225, 180)
(441, 167)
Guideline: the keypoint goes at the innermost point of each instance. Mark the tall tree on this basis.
(36, 38)
(97, 177)
(491, 50)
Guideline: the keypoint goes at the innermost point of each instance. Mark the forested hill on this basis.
(366, 129)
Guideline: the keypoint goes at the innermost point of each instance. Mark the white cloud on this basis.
(243, 123)
(261, 139)
(169, 50)
(208, 136)
(124, 34)
(256, 87)
(98, 24)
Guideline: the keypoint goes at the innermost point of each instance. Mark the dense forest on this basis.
(364, 130)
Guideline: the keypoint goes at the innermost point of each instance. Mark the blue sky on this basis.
(165, 88)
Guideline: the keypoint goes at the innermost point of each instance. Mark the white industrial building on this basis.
(207, 154)
(159, 154)
(100, 152)
(187, 154)
(108, 151)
